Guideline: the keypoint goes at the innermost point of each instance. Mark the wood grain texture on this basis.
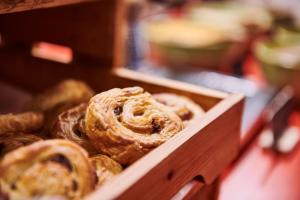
(10, 6)
(89, 29)
(34, 74)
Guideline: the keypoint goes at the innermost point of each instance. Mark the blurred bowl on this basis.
(208, 35)
(182, 43)
(280, 58)
(254, 19)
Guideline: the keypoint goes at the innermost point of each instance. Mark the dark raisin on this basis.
(74, 185)
(139, 113)
(77, 131)
(186, 116)
(118, 110)
(62, 160)
(13, 186)
(156, 128)
(2, 146)
(119, 119)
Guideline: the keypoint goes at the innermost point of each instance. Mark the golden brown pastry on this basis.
(184, 107)
(66, 92)
(50, 168)
(59, 98)
(70, 126)
(23, 122)
(127, 123)
(12, 141)
(106, 168)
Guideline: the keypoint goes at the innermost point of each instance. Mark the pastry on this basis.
(52, 168)
(184, 107)
(12, 141)
(66, 92)
(70, 126)
(127, 123)
(59, 98)
(23, 122)
(106, 168)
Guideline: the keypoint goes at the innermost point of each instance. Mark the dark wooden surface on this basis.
(10, 6)
(90, 29)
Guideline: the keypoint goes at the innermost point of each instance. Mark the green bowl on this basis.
(183, 43)
(281, 66)
(209, 57)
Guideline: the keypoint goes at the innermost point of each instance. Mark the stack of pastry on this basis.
(73, 141)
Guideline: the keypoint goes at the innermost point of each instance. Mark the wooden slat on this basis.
(90, 28)
(33, 74)
(10, 6)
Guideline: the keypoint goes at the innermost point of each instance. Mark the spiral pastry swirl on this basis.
(184, 107)
(127, 123)
(106, 168)
(12, 141)
(23, 122)
(51, 168)
(70, 126)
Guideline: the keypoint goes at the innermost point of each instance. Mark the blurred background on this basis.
(243, 46)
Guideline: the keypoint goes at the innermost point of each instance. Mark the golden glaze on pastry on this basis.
(12, 141)
(59, 98)
(106, 168)
(23, 122)
(47, 168)
(70, 126)
(66, 92)
(184, 107)
(127, 123)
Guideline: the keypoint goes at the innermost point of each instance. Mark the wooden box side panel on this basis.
(190, 154)
(90, 29)
(18, 67)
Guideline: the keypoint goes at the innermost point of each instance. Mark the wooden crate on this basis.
(94, 31)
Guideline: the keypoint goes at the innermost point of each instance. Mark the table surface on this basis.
(260, 174)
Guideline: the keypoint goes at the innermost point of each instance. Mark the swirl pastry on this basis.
(184, 107)
(59, 98)
(48, 168)
(106, 168)
(12, 141)
(23, 122)
(66, 92)
(70, 126)
(127, 123)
